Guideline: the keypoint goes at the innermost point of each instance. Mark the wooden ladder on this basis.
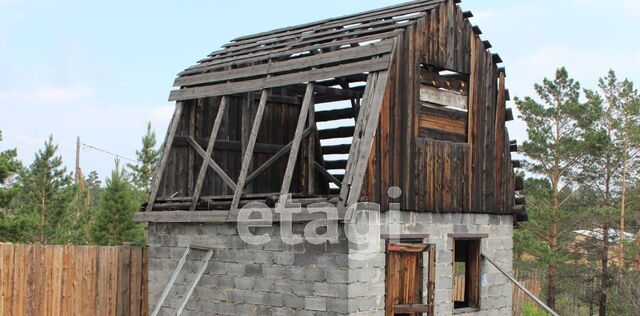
(174, 276)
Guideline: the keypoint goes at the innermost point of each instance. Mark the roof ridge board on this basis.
(297, 27)
(375, 27)
(368, 65)
(320, 60)
(332, 22)
(327, 31)
(359, 19)
(267, 55)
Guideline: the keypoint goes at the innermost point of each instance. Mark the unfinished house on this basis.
(401, 107)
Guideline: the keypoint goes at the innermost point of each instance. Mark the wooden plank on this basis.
(68, 269)
(442, 135)
(89, 280)
(326, 174)
(369, 131)
(135, 282)
(332, 115)
(336, 149)
(123, 285)
(443, 97)
(266, 56)
(418, 5)
(248, 155)
(210, 146)
(145, 282)
(453, 126)
(227, 145)
(56, 280)
(312, 142)
(283, 151)
(282, 80)
(205, 159)
(443, 112)
(273, 68)
(173, 126)
(102, 273)
(112, 281)
(209, 161)
(3, 271)
(338, 132)
(297, 139)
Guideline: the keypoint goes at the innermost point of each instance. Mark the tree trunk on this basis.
(552, 271)
(605, 270)
(623, 194)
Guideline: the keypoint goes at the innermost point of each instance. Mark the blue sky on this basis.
(102, 69)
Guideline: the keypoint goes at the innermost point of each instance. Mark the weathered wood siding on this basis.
(277, 129)
(444, 39)
(72, 280)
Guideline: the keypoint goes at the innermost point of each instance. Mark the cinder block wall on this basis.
(242, 279)
(495, 291)
(308, 279)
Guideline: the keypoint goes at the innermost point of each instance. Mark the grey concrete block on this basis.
(293, 301)
(315, 303)
(253, 270)
(315, 274)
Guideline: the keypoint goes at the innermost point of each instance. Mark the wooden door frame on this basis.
(413, 243)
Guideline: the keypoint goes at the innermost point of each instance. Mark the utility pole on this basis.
(78, 160)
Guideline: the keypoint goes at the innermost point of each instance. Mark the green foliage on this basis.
(529, 309)
(43, 191)
(113, 223)
(142, 172)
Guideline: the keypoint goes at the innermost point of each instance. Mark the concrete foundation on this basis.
(309, 279)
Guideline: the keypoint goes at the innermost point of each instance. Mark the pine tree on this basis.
(561, 139)
(44, 191)
(113, 223)
(609, 174)
(142, 172)
(9, 168)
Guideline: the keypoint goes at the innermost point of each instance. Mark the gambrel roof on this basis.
(330, 48)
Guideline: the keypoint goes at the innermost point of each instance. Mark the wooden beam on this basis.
(332, 115)
(311, 151)
(487, 44)
(283, 151)
(508, 116)
(281, 80)
(326, 174)
(476, 30)
(339, 132)
(519, 186)
(287, 65)
(467, 14)
(207, 155)
(516, 163)
(367, 136)
(353, 150)
(209, 161)
(171, 133)
(228, 145)
(336, 149)
(443, 97)
(248, 154)
(297, 139)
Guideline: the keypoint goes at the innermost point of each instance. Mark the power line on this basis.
(108, 153)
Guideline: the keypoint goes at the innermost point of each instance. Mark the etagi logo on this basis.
(361, 224)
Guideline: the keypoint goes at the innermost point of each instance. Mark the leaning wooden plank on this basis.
(248, 155)
(297, 139)
(283, 151)
(366, 142)
(326, 174)
(344, 189)
(283, 80)
(212, 140)
(342, 56)
(164, 156)
(227, 180)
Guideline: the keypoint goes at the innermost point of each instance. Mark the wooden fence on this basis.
(72, 280)
(519, 298)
